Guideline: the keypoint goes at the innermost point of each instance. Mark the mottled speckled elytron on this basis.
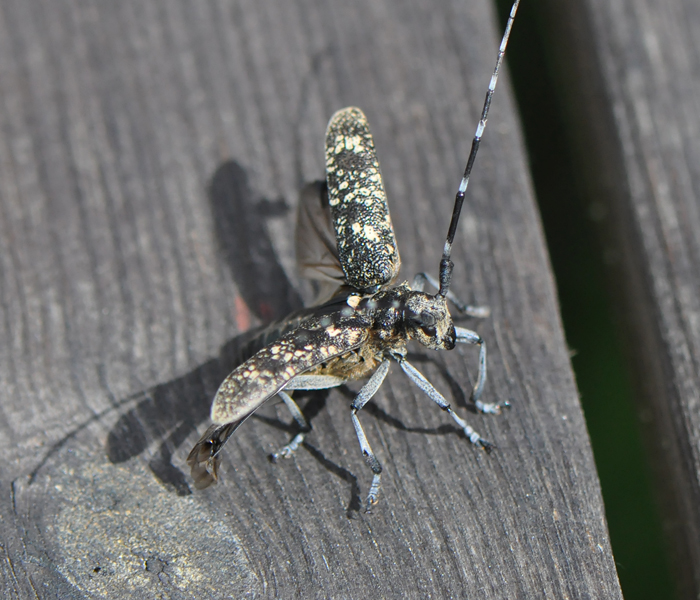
(365, 237)
(345, 240)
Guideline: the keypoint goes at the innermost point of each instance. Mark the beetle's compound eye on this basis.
(419, 314)
(427, 319)
(429, 331)
(427, 322)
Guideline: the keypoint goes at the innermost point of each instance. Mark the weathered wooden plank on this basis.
(631, 72)
(151, 156)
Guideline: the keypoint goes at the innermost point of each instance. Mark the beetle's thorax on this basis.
(401, 314)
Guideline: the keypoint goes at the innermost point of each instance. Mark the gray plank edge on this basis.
(150, 160)
(631, 75)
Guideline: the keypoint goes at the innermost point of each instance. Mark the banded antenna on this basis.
(446, 264)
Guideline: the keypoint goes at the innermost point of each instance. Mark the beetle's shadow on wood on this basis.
(239, 223)
(314, 405)
(456, 389)
(355, 504)
(169, 412)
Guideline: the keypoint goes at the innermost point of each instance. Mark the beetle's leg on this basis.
(314, 382)
(466, 336)
(302, 382)
(479, 312)
(290, 448)
(417, 377)
(363, 396)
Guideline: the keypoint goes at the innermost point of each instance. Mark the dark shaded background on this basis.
(582, 266)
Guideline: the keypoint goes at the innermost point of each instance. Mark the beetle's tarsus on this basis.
(288, 450)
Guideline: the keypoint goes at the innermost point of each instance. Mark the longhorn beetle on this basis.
(366, 322)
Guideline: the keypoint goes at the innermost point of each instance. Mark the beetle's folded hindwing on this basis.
(316, 340)
(203, 459)
(363, 230)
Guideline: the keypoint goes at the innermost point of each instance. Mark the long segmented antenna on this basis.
(446, 264)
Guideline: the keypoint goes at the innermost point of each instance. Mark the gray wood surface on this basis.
(151, 154)
(631, 69)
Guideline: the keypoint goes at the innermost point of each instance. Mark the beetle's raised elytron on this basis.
(345, 238)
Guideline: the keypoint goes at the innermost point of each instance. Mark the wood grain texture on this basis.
(632, 74)
(151, 155)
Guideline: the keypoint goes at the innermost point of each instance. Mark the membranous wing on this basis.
(204, 458)
(317, 339)
(317, 254)
(316, 249)
(366, 245)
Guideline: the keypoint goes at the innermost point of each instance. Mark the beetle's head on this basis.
(429, 322)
